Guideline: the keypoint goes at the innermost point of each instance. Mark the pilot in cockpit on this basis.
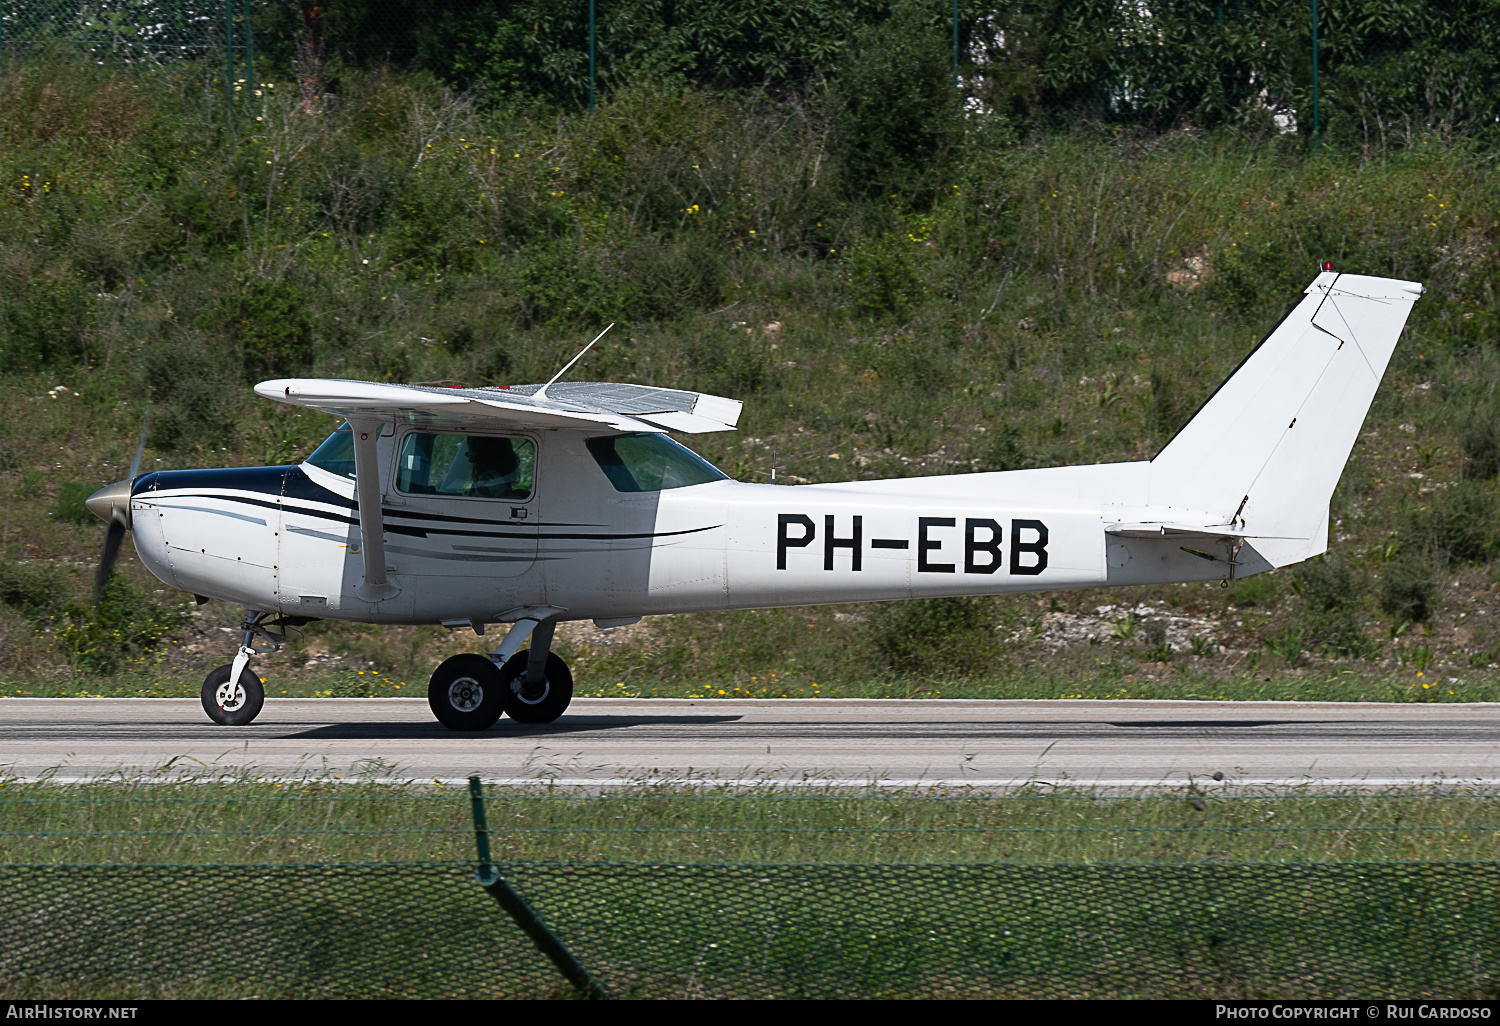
(494, 468)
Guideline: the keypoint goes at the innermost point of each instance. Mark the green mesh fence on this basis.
(131, 31)
(333, 888)
(1365, 69)
(1352, 930)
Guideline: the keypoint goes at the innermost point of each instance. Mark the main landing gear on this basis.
(469, 692)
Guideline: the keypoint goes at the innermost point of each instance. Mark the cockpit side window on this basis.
(650, 463)
(474, 466)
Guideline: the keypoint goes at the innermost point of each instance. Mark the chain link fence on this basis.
(706, 927)
(1361, 930)
(1364, 67)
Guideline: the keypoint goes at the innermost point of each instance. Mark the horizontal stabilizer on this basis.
(1180, 531)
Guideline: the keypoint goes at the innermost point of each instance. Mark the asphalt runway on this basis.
(606, 742)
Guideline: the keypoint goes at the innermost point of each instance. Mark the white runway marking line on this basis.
(1201, 786)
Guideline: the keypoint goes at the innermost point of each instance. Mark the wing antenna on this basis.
(541, 393)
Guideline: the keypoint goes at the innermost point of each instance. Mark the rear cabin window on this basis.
(474, 466)
(650, 463)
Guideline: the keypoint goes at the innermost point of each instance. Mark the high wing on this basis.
(608, 405)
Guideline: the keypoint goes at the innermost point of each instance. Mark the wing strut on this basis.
(371, 519)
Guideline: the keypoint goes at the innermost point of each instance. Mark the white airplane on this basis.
(530, 505)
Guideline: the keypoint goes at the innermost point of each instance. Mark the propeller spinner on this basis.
(112, 505)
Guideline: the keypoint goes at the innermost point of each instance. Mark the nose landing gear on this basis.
(236, 704)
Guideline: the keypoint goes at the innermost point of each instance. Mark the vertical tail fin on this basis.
(1266, 451)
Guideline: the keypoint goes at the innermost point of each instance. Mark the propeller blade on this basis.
(140, 449)
(113, 538)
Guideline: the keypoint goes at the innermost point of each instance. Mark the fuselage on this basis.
(287, 539)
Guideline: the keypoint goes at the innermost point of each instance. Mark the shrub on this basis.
(1408, 587)
(895, 105)
(70, 508)
(1480, 444)
(1172, 402)
(493, 368)
(1329, 617)
(35, 589)
(44, 320)
(269, 321)
(1154, 633)
(127, 623)
(1327, 584)
(1260, 590)
(669, 279)
(191, 405)
(883, 282)
(945, 637)
(1006, 452)
(1458, 526)
(561, 283)
(32, 483)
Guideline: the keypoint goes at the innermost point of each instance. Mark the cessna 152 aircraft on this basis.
(530, 505)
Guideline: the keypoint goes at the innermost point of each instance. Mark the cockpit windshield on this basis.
(336, 454)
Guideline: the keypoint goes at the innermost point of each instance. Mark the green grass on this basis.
(208, 821)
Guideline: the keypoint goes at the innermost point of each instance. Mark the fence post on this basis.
(1315, 131)
(488, 876)
(955, 44)
(249, 52)
(229, 51)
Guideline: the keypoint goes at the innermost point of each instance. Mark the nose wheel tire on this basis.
(465, 693)
(232, 706)
(536, 703)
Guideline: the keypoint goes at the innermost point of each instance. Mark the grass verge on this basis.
(1337, 683)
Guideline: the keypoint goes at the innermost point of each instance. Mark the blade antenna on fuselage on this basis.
(541, 393)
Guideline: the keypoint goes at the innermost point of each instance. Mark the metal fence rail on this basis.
(1347, 930)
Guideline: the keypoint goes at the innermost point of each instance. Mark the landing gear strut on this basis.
(537, 685)
(469, 692)
(236, 704)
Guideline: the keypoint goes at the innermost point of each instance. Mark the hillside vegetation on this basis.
(893, 288)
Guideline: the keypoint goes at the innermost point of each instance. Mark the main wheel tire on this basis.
(540, 703)
(236, 708)
(466, 693)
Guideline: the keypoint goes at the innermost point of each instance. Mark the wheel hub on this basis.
(531, 694)
(230, 696)
(465, 694)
